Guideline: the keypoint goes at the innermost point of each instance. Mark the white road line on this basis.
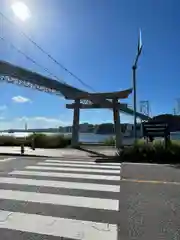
(74, 156)
(65, 200)
(79, 165)
(73, 169)
(59, 227)
(145, 164)
(7, 159)
(59, 184)
(84, 162)
(66, 175)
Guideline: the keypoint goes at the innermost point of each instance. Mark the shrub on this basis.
(40, 141)
(110, 141)
(8, 141)
(157, 153)
(49, 141)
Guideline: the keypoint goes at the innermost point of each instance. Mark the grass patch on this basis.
(110, 141)
(40, 141)
(151, 152)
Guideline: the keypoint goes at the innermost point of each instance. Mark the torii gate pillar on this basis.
(75, 128)
(117, 125)
(99, 100)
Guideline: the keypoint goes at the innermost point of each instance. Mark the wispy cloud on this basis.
(21, 99)
(32, 122)
(3, 107)
(40, 119)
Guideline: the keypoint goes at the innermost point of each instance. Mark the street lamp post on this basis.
(134, 67)
(134, 100)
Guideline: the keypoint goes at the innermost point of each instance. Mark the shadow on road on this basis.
(175, 165)
(100, 157)
(94, 153)
(112, 159)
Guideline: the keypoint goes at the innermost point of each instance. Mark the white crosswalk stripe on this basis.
(7, 159)
(58, 226)
(60, 200)
(59, 184)
(72, 169)
(66, 198)
(104, 165)
(68, 175)
(72, 164)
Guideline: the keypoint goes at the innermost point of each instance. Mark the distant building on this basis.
(129, 130)
(68, 129)
(84, 127)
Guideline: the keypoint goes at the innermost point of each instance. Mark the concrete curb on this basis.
(26, 155)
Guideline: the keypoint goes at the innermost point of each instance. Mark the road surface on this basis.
(74, 198)
(71, 197)
(150, 202)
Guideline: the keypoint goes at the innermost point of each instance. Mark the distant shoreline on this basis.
(84, 137)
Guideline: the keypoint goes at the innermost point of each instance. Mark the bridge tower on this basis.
(176, 110)
(145, 108)
(25, 126)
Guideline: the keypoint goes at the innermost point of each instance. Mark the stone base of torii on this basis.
(99, 100)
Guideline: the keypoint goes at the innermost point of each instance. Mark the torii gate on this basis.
(20, 76)
(107, 100)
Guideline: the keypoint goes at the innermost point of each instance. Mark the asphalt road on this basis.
(9, 163)
(75, 198)
(150, 202)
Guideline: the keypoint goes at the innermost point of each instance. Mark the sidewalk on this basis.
(40, 152)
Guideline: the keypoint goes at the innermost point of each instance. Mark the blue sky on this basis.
(96, 40)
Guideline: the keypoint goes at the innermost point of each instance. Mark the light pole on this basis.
(134, 67)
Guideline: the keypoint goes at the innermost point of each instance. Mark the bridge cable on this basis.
(48, 54)
(30, 59)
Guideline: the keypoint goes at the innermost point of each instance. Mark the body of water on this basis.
(84, 137)
(175, 135)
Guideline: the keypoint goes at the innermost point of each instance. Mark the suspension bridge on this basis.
(26, 78)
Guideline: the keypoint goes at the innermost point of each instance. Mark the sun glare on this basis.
(21, 10)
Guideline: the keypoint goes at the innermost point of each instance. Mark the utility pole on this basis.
(134, 67)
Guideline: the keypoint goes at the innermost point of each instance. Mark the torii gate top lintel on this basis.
(107, 95)
(68, 91)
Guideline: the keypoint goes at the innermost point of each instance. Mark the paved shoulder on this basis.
(68, 197)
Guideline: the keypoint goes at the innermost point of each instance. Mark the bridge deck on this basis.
(17, 75)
